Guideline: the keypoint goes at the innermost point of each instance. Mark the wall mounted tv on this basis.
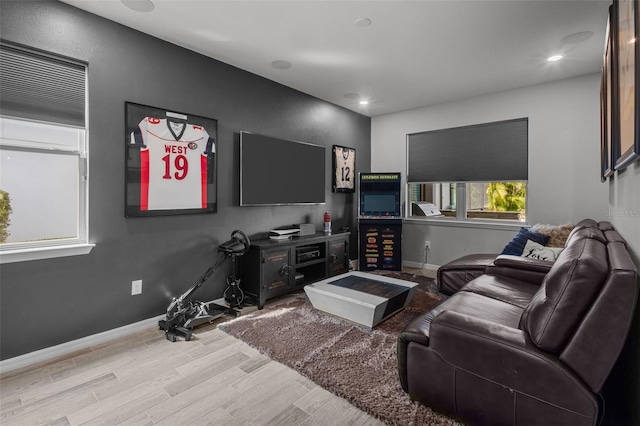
(280, 172)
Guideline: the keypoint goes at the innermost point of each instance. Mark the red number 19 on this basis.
(180, 163)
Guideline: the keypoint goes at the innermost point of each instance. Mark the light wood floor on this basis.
(143, 379)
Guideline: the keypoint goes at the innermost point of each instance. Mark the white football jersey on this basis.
(173, 160)
(345, 168)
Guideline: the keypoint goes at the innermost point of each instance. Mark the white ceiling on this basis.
(414, 53)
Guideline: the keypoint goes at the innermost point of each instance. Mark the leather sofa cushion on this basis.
(585, 223)
(605, 226)
(463, 302)
(566, 293)
(523, 263)
(470, 261)
(455, 274)
(475, 305)
(586, 228)
(505, 356)
(607, 322)
(614, 237)
(504, 289)
(525, 269)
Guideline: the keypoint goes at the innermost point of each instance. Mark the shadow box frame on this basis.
(608, 103)
(138, 182)
(626, 29)
(345, 167)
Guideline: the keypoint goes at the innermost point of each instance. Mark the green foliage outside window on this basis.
(5, 211)
(507, 196)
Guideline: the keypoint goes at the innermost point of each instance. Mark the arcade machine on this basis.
(380, 222)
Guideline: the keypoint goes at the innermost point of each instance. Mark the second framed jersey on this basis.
(344, 169)
(170, 164)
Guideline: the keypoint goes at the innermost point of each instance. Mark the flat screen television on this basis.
(280, 172)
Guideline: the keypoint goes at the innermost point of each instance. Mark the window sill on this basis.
(25, 255)
(509, 226)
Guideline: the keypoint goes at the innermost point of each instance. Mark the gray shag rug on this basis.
(351, 361)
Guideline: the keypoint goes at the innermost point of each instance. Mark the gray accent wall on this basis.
(49, 302)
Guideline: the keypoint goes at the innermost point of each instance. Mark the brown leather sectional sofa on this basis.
(523, 346)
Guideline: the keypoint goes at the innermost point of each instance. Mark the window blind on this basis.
(490, 152)
(41, 87)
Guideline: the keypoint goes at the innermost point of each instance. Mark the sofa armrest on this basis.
(521, 268)
(524, 263)
(507, 356)
(417, 331)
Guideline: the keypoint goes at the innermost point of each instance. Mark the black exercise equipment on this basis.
(183, 314)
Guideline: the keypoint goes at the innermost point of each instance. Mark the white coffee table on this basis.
(361, 297)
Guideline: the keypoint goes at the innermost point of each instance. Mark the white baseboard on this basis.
(419, 265)
(46, 354)
(429, 267)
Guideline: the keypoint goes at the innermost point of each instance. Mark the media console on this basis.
(274, 267)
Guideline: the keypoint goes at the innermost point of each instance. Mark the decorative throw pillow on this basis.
(516, 245)
(534, 250)
(558, 234)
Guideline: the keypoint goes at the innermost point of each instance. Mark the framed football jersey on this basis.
(170, 162)
(344, 169)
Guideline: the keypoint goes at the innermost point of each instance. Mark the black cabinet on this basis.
(275, 267)
(338, 258)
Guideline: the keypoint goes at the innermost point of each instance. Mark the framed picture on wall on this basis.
(170, 162)
(344, 168)
(608, 128)
(604, 157)
(627, 51)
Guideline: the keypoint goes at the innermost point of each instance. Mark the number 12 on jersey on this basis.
(344, 166)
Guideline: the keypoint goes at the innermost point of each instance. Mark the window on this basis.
(496, 200)
(43, 155)
(483, 200)
(469, 173)
(433, 199)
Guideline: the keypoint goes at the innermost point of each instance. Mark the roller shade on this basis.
(41, 87)
(490, 152)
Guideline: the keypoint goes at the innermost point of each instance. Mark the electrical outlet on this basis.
(136, 287)
(427, 245)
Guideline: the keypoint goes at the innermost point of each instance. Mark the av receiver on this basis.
(307, 253)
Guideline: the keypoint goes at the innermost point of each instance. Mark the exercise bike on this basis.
(183, 313)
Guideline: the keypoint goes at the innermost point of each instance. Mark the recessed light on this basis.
(555, 58)
(139, 5)
(281, 64)
(355, 97)
(577, 37)
(362, 22)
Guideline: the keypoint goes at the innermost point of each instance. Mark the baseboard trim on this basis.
(427, 266)
(52, 352)
(419, 265)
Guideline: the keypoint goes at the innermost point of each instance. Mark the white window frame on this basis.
(461, 210)
(27, 251)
